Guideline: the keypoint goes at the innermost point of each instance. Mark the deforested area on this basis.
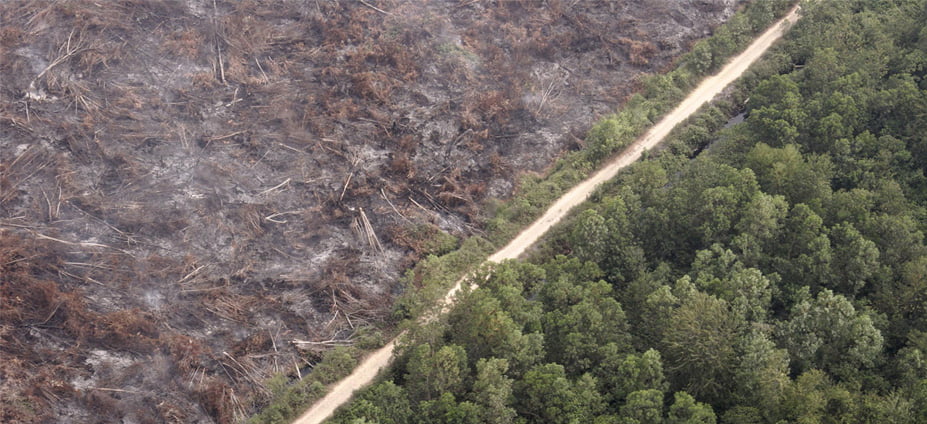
(186, 187)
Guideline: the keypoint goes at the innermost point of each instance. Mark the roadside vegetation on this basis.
(770, 271)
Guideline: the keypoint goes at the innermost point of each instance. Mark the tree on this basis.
(508, 283)
(763, 216)
(445, 409)
(892, 408)
(700, 58)
(741, 414)
(813, 398)
(633, 373)
(855, 259)
(624, 260)
(589, 236)
(802, 254)
(685, 410)
(656, 312)
(701, 207)
(776, 114)
(384, 403)
(761, 14)
(699, 347)
(607, 239)
(904, 300)
(718, 272)
(431, 373)
(785, 171)
(643, 407)
(493, 391)
(762, 371)
(582, 319)
(853, 206)
(545, 395)
(897, 237)
(485, 329)
(828, 333)
(759, 225)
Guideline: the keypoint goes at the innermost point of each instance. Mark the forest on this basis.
(767, 271)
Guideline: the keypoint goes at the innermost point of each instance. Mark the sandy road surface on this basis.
(707, 90)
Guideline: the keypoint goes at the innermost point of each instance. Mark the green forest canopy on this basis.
(780, 276)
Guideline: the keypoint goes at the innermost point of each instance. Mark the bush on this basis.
(336, 363)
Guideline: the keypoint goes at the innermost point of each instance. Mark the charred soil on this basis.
(186, 186)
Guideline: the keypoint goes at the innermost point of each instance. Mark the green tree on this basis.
(718, 272)
(762, 371)
(904, 300)
(431, 373)
(546, 395)
(657, 311)
(493, 391)
(607, 239)
(590, 236)
(802, 254)
(759, 225)
(581, 320)
(892, 408)
(643, 407)
(700, 58)
(445, 409)
(699, 347)
(384, 403)
(685, 410)
(508, 282)
(633, 373)
(855, 259)
(335, 363)
(813, 398)
(785, 171)
(741, 414)
(828, 333)
(485, 329)
(898, 237)
(776, 113)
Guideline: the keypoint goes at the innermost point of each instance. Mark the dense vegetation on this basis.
(780, 276)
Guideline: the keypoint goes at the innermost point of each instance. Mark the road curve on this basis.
(367, 370)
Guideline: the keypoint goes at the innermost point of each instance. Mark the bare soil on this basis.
(185, 186)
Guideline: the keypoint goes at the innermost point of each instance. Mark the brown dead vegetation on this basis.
(186, 184)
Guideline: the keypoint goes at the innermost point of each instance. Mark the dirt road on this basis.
(707, 90)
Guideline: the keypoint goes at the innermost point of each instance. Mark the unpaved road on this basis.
(707, 90)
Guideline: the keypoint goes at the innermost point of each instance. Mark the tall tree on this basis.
(582, 319)
(546, 395)
(643, 407)
(855, 260)
(685, 410)
(699, 347)
(485, 329)
(493, 391)
(762, 372)
(431, 372)
(826, 332)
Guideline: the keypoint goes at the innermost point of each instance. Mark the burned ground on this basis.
(187, 185)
